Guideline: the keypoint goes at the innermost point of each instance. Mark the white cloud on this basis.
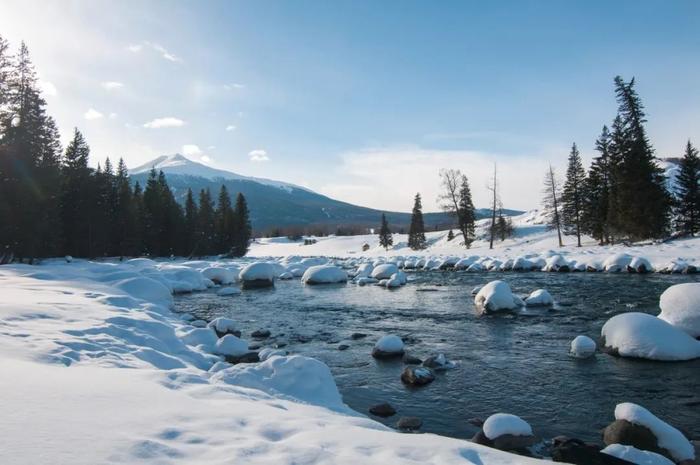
(371, 174)
(191, 150)
(230, 127)
(234, 86)
(205, 159)
(112, 116)
(111, 85)
(165, 122)
(258, 155)
(157, 48)
(92, 114)
(47, 88)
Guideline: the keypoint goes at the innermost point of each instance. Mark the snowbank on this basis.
(680, 306)
(496, 296)
(499, 424)
(324, 274)
(646, 336)
(668, 437)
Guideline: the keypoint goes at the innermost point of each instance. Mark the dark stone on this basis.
(380, 354)
(434, 363)
(511, 442)
(250, 357)
(356, 336)
(409, 423)
(631, 434)
(690, 269)
(480, 438)
(411, 360)
(235, 332)
(261, 334)
(382, 410)
(478, 422)
(576, 452)
(257, 284)
(564, 269)
(343, 347)
(254, 346)
(417, 376)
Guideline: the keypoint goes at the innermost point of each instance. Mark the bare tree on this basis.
(551, 202)
(493, 187)
(456, 200)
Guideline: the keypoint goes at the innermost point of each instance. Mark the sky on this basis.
(363, 101)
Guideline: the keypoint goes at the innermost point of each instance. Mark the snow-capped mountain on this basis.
(274, 203)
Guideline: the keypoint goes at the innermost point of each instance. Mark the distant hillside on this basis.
(276, 203)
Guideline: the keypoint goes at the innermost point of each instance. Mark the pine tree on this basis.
(205, 224)
(244, 232)
(416, 231)
(153, 215)
(75, 199)
(385, 238)
(551, 202)
(126, 239)
(504, 226)
(573, 195)
(642, 200)
(598, 191)
(466, 212)
(189, 239)
(450, 235)
(687, 211)
(224, 222)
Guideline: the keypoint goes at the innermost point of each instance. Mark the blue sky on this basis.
(363, 101)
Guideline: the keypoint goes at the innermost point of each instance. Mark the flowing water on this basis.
(506, 363)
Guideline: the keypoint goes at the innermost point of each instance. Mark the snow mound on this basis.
(680, 306)
(639, 265)
(636, 456)
(667, 436)
(582, 347)
(223, 325)
(364, 270)
(499, 424)
(384, 271)
(146, 289)
(231, 346)
(258, 271)
(390, 344)
(219, 275)
(617, 263)
(324, 274)
(540, 297)
(295, 377)
(646, 336)
(496, 296)
(556, 263)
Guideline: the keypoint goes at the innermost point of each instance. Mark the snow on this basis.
(636, 456)
(231, 345)
(582, 347)
(495, 296)
(556, 263)
(390, 343)
(220, 275)
(617, 262)
(223, 325)
(499, 424)
(640, 265)
(94, 374)
(680, 306)
(646, 336)
(258, 271)
(384, 271)
(324, 274)
(539, 297)
(667, 436)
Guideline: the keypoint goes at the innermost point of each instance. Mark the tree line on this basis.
(624, 196)
(52, 203)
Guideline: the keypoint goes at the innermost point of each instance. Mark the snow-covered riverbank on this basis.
(532, 239)
(95, 369)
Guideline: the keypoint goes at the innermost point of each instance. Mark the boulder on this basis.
(630, 434)
(383, 410)
(257, 275)
(261, 334)
(409, 423)
(575, 451)
(387, 347)
(438, 362)
(417, 376)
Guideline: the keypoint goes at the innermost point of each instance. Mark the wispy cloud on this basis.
(92, 114)
(230, 127)
(111, 85)
(156, 47)
(234, 86)
(191, 150)
(165, 122)
(258, 155)
(47, 88)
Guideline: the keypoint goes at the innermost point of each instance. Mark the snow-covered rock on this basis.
(365, 281)
(668, 437)
(522, 264)
(646, 336)
(200, 337)
(464, 263)
(439, 362)
(268, 352)
(227, 291)
(223, 326)
(258, 274)
(364, 270)
(639, 265)
(616, 263)
(219, 275)
(540, 297)
(295, 377)
(388, 346)
(475, 268)
(582, 347)
(496, 296)
(556, 263)
(384, 271)
(680, 306)
(231, 346)
(324, 274)
(286, 276)
(500, 424)
(636, 456)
